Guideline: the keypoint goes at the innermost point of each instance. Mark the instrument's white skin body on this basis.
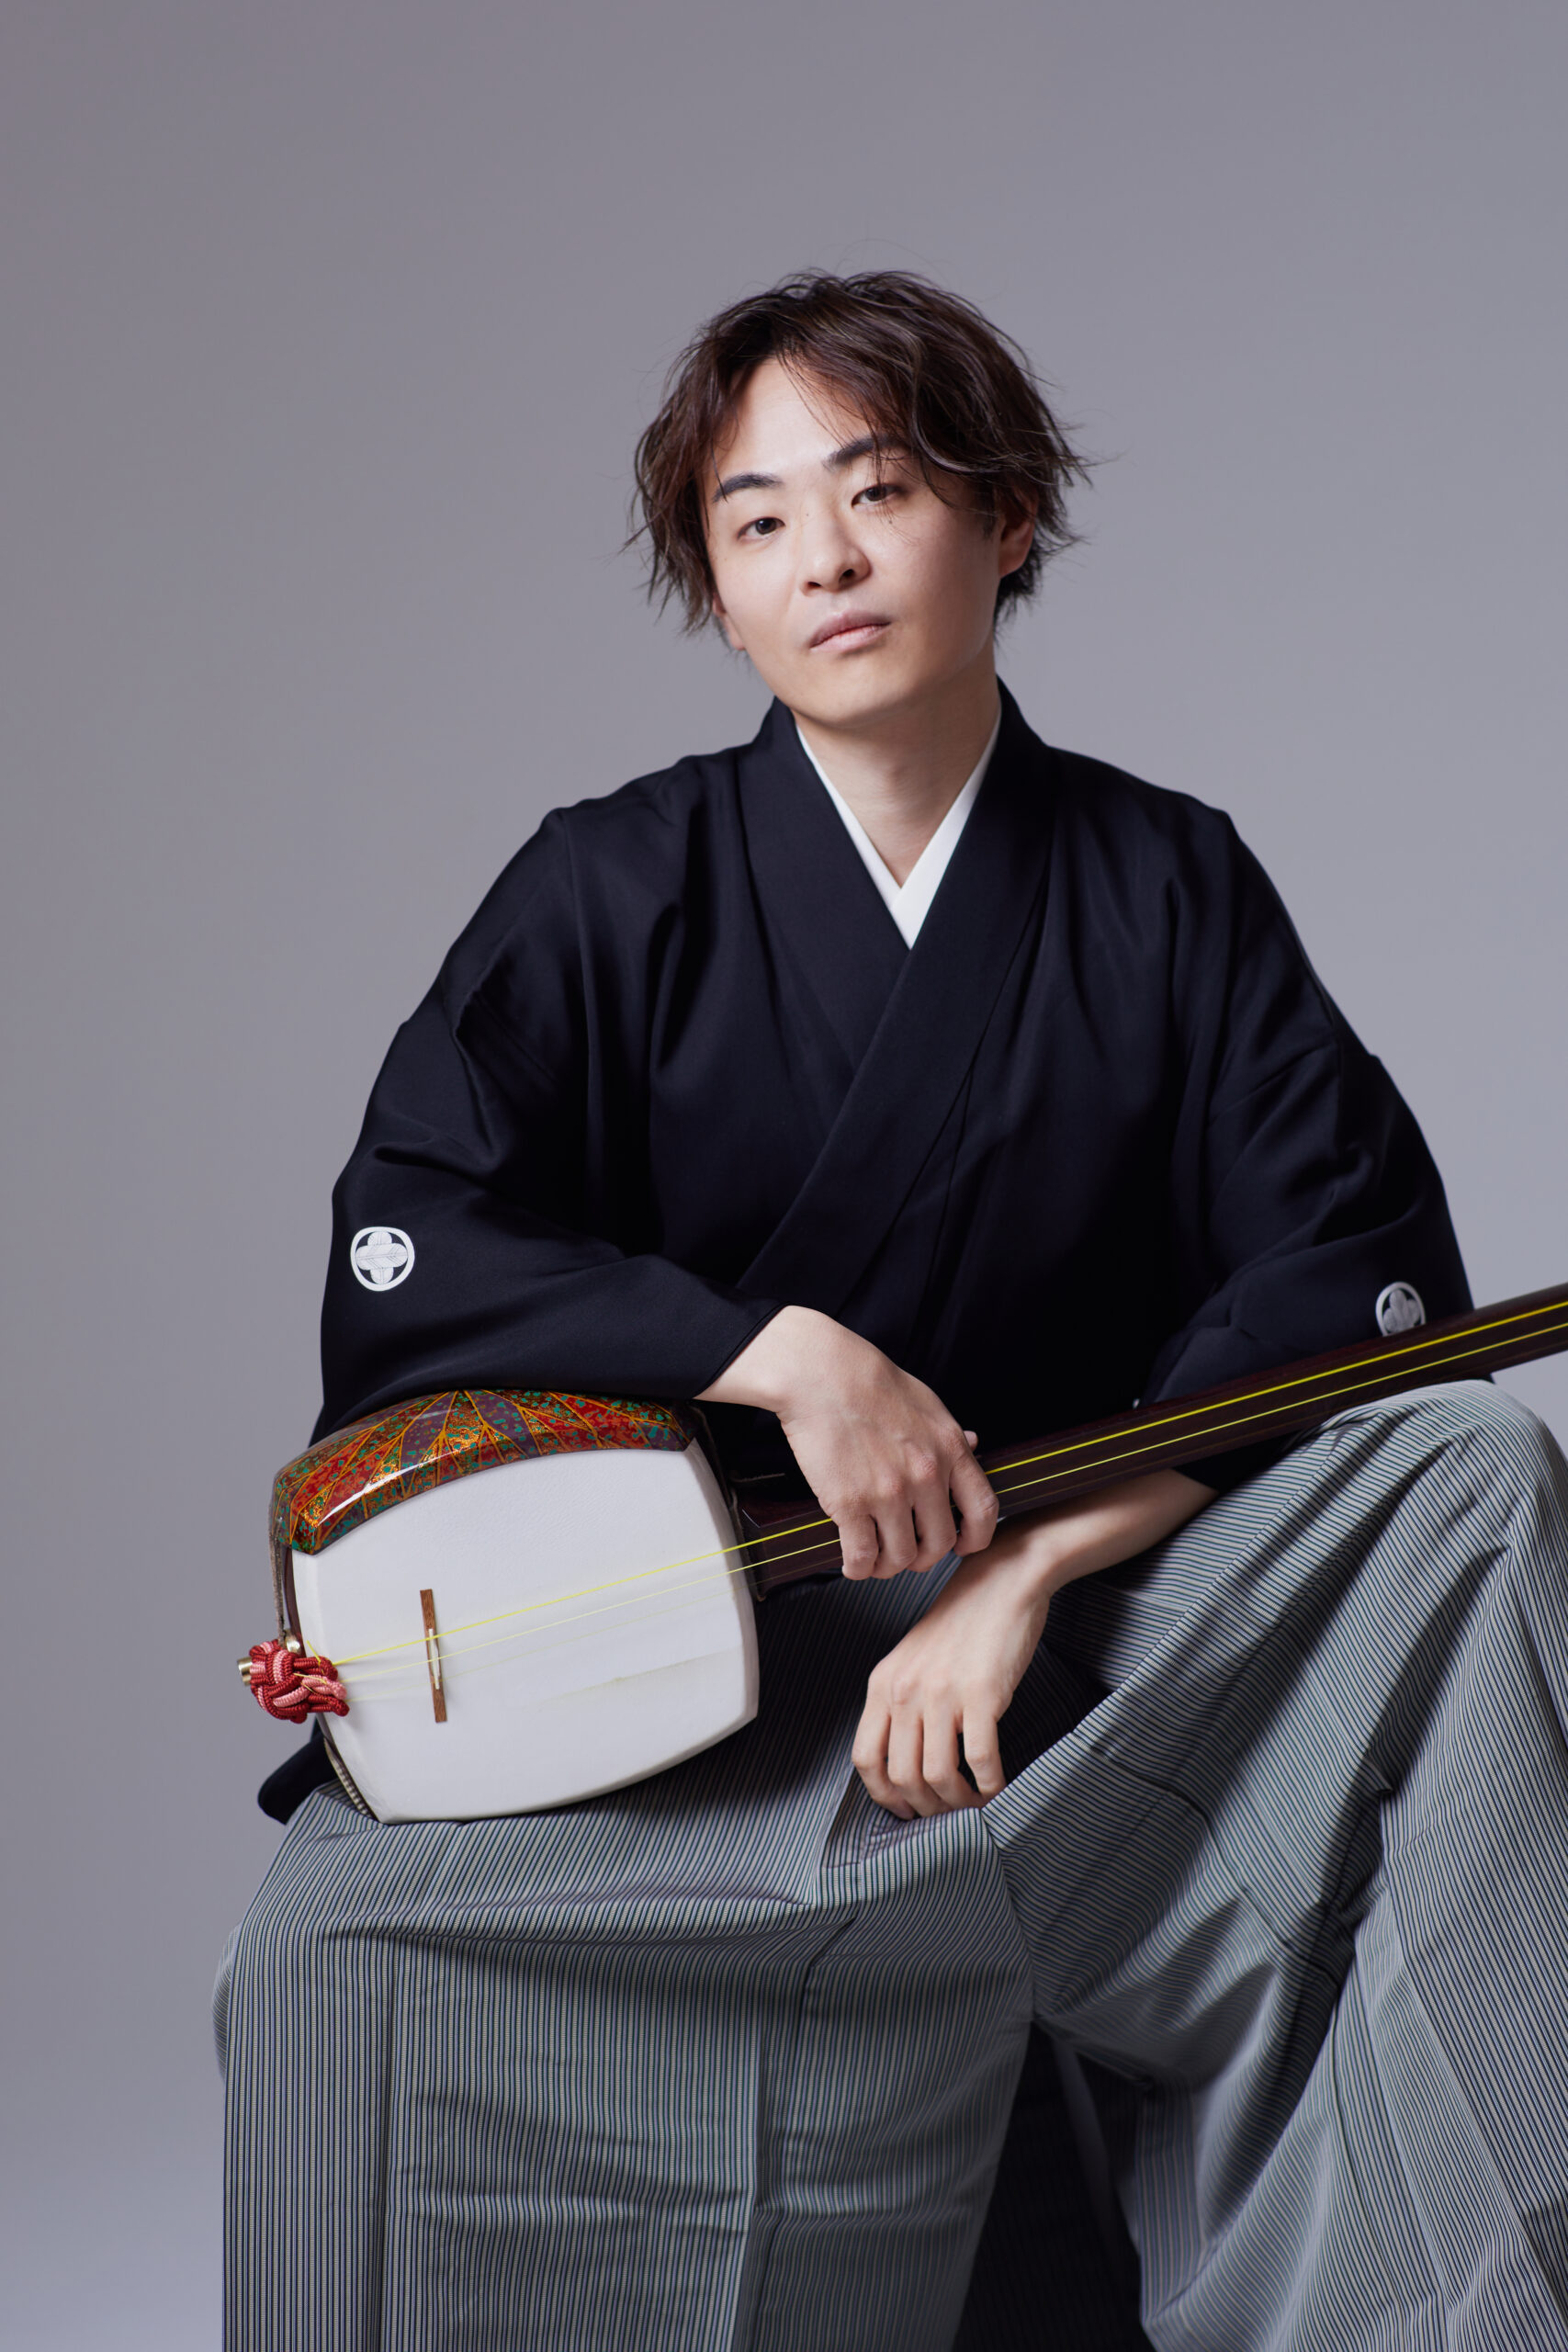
(561, 1697)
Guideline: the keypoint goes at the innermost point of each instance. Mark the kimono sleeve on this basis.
(1301, 1187)
(473, 1228)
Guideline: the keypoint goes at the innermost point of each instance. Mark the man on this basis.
(889, 1080)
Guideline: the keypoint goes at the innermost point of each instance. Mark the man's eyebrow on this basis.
(733, 482)
(868, 445)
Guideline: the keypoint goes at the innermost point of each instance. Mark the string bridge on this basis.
(433, 1654)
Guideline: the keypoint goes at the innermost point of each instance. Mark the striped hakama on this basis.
(728, 2059)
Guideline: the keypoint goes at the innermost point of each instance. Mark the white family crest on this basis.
(381, 1256)
(1399, 1309)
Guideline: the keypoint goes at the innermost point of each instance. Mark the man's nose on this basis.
(830, 556)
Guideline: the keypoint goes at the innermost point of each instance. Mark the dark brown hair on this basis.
(927, 371)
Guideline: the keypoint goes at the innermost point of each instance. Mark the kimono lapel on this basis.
(982, 924)
(818, 903)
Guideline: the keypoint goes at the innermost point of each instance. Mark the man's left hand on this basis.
(953, 1675)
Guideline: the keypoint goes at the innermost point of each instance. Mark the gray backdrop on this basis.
(328, 329)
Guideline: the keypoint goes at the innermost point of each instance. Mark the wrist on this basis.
(1034, 1554)
(789, 1363)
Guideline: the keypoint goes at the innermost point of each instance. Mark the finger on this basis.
(860, 1544)
(881, 1788)
(898, 1547)
(906, 1749)
(941, 1763)
(870, 1753)
(933, 1524)
(972, 1492)
(982, 1751)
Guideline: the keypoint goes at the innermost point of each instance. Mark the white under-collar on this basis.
(909, 903)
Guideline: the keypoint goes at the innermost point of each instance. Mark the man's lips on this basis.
(863, 625)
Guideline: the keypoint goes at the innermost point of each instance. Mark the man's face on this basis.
(857, 592)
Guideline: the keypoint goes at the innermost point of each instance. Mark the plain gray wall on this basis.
(328, 329)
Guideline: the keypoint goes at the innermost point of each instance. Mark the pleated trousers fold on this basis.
(726, 2059)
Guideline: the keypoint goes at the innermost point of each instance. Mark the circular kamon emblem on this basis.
(1399, 1309)
(381, 1256)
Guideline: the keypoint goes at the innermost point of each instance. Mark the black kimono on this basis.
(1098, 1135)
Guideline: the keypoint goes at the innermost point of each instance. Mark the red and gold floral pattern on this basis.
(365, 1468)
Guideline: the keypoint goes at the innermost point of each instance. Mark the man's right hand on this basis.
(879, 1450)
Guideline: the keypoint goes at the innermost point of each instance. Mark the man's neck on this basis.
(900, 775)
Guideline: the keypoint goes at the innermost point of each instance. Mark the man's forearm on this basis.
(1075, 1539)
(796, 1350)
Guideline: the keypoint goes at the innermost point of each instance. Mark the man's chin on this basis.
(862, 695)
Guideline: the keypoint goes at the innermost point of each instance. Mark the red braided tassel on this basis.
(290, 1684)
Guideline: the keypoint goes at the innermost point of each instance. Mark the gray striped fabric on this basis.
(726, 2059)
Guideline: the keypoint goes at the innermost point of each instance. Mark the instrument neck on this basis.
(788, 1542)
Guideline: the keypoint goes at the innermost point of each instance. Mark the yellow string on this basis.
(452, 1648)
(1050, 1453)
(1219, 1428)
(1306, 1380)
(583, 1592)
(407, 1677)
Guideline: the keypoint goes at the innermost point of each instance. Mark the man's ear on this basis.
(727, 626)
(1015, 531)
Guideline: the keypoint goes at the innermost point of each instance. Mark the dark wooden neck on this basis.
(789, 1541)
